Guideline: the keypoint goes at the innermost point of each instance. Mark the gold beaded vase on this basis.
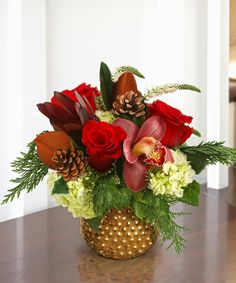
(121, 235)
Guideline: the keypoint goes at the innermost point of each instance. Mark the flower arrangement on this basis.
(114, 149)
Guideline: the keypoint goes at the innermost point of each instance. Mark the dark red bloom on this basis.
(176, 130)
(103, 144)
(83, 90)
(67, 115)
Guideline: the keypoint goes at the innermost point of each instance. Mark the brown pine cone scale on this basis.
(70, 164)
(129, 103)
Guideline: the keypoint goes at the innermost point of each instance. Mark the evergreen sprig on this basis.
(30, 170)
(109, 193)
(209, 153)
(156, 211)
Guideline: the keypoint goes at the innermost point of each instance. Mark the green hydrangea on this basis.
(173, 177)
(79, 200)
(105, 116)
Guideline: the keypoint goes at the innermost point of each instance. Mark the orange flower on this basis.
(125, 83)
(49, 142)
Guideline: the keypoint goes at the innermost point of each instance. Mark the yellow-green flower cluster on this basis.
(105, 116)
(79, 199)
(173, 177)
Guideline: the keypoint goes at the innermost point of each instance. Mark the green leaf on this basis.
(196, 133)
(60, 187)
(108, 195)
(191, 194)
(106, 85)
(209, 153)
(139, 209)
(198, 162)
(123, 69)
(31, 171)
(139, 196)
(94, 223)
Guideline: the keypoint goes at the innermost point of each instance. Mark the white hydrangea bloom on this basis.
(79, 200)
(173, 177)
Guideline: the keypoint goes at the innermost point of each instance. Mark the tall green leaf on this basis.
(106, 85)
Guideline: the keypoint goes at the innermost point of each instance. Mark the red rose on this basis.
(86, 90)
(176, 130)
(103, 144)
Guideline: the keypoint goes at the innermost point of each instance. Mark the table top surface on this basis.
(47, 247)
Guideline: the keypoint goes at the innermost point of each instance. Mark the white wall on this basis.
(23, 85)
(63, 42)
(165, 40)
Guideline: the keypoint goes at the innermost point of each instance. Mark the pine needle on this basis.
(156, 211)
(209, 153)
(30, 170)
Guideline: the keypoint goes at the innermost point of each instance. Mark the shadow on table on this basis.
(94, 268)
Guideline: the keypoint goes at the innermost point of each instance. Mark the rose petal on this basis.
(162, 109)
(176, 134)
(99, 164)
(135, 175)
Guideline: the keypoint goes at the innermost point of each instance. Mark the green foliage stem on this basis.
(209, 153)
(108, 194)
(156, 211)
(30, 170)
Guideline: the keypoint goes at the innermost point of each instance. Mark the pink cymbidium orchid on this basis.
(142, 149)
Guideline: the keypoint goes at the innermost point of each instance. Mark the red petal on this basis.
(53, 111)
(169, 156)
(153, 127)
(176, 134)
(99, 164)
(135, 175)
(127, 148)
(65, 102)
(128, 126)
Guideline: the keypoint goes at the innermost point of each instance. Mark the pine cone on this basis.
(130, 103)
(69, 163)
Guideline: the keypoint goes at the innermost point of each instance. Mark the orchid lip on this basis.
(144, 146)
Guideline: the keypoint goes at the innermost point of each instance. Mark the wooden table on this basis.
(46, 247)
